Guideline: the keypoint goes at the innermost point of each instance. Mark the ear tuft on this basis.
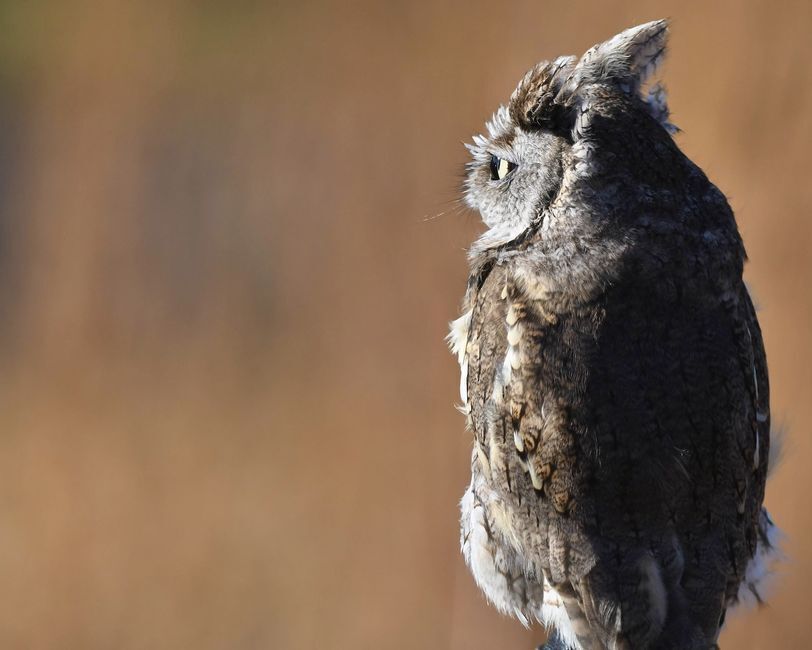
(532, 103)
(642, 48)
(627, 59)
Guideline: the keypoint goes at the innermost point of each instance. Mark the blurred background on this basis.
(229, 250)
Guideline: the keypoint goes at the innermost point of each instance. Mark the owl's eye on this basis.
(501, 168)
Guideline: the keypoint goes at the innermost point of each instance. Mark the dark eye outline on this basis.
(496, 162)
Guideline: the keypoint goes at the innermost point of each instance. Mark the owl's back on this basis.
(628, 438)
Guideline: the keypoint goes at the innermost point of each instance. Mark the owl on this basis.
(612, 367)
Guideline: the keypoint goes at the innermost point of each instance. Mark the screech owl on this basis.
(612, 367)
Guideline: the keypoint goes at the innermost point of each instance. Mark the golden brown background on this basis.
(226, 408)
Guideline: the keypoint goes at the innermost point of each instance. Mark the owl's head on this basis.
(580, 182)
(551, 129)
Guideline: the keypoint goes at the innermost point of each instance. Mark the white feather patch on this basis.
(554, 615)
(537, 484)
(507, 366)
(457, 340)
(464, 383)
(458, 334)
(517, 440)
(497, 396)
(483, 556)
(760, 574)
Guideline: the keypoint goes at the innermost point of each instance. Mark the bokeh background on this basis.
(229, 249)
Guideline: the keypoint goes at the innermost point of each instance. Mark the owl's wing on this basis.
(510, 411)
(679, 410)
(685, 374)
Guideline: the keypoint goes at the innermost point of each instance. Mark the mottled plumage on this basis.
(613, 372)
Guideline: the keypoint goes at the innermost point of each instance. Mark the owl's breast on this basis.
(520, 371)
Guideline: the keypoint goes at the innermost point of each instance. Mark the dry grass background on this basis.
(226, 409)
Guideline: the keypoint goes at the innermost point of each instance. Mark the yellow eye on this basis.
(501, 168)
